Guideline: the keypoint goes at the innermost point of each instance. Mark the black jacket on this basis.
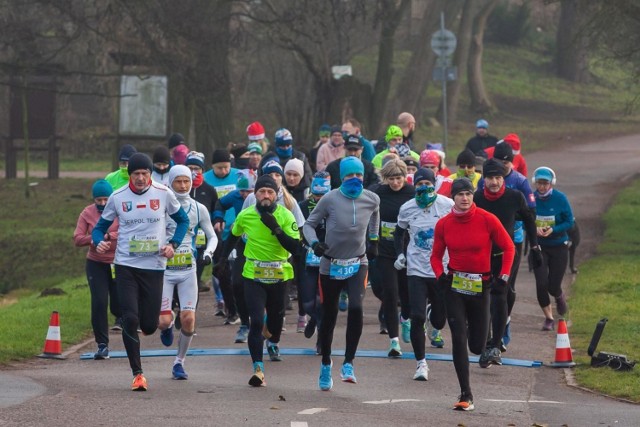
(370, 175)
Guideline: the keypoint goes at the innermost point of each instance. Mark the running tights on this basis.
(421, 288)
(260, 297)
(550, 274)
(104, 293)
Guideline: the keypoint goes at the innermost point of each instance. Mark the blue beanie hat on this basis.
(101, 188)
(272, 166)
(350, 165)
(283, 137)
(321, 183)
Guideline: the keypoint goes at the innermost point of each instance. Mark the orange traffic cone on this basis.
(564, 358)
(53, 344)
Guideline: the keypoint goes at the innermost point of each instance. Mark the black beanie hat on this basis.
(239, 150)
(126, 151)
(266, 181)
(422, 174)
(161, 155)
(466, 157)
(461, 184)
(175, 140)
(220, 156)
(139, 161)
(493, 167)
(503, 151)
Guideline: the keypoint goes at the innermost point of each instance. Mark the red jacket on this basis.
(468, 239)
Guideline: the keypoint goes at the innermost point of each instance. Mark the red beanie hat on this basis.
(255, 131)
(514, 141)
(429, 157)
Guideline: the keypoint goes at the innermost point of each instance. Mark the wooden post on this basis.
(10, 160)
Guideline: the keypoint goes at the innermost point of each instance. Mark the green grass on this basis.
(25, 323)
(609, 286)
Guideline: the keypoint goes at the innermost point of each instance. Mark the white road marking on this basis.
(299, 424)
(312, 411)
(525, 401)
(382, 402)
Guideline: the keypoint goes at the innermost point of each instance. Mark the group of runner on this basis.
(445, 247)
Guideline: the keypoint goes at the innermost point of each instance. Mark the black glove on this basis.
(372, 250)
(206, 260)
(444, 281)
(536, 257)
(319, 248)
(270, 221)
(221, 267)
(499, 286)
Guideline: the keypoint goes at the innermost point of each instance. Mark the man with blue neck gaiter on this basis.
(352, 218)
(285, 152)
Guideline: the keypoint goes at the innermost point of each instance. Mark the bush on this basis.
(509, 24)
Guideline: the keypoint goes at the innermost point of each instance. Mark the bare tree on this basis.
(571, 57)
(480, 101)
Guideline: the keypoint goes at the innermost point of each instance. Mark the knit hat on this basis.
(393, 131)
(352, 141)
(272, 166)
(239, 150)
(283, 137)
(180, 154)
(255, 131)
(254, 147)
(424, 174)
(161, 155)
(514, 141)
(220, 156)
(321, 183)
(178, 170)
(466, 157)
(139, 161)
(336, 129)
(126, 151)
(429, 157)
(101, 188)
(493, 167)
(349, 165)
(461, 184)
(482, 123)
(195, 158)
(175, 140)
(503, 151)
(410, 161)
(246, 180)
(325, 130)
(266, 181)
(295, 165)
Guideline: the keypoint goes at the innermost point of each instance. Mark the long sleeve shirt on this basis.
(87, 220)
(554, 211)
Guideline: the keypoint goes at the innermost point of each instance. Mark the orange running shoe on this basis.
(465, 402)
(139, 383)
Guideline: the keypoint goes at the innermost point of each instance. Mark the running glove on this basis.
(499, 286)
(270, 221)
(401, 262)
(206, 258)
(536, 257)
(319, 248)
(372, 249)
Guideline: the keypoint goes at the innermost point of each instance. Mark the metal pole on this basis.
(444, 94)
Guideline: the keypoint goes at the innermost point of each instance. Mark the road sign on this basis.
(448, 74)
(443, 42)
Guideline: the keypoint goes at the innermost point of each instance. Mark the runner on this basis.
(466, 163)
(418, 217)
(296, 185)
(324, 133)
(393, 193)
(554, 218)
(481, 140)
(255, 155)
(519, 163)
(98, 266)
(396, 143)
(353, 148)
(351, 213)
(332, 150)
(506, 204)
(468, 234)
(353, 127)
(430, 159)
(284, 152)
(181, 269)
(272, 234)
(120, 177)
(141, 253)
(161, 165)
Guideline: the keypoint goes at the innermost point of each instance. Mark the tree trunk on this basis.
(571, 53)
(391, 18)
(181, 105)
(480, 102)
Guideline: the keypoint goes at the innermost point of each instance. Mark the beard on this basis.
(266, 206)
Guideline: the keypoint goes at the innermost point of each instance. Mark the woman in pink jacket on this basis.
(99, 273)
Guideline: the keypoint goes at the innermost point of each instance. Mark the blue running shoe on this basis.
(436, 339)
(506, 339)
(394, 349)
(166, 337)
(274, 352)
(347, 374)
(242, 335)
(406, 331)
(343, 304)
(325, 382)
(178, 372)
(102, 353)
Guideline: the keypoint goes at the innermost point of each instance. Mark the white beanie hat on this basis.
(295, 165)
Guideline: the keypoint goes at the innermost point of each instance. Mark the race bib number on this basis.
(341, 269)
(144, 246)
(312, 259)
(545, 221)
(467, 283)
(201, 239)
(223, 190)
(268, 271)
(387, 229)
(181, 260)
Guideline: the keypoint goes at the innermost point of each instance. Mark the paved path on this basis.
(81, 392)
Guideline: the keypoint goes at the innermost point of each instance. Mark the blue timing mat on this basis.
(309, 352)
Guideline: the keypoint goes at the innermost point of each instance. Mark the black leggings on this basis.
(550, 274)
(140, 296)
(395, 285)
(329, 295)
(468, 318)
(260, 297)
(421, 288)
(103, 291)
(511, 292)
(308, 294)
(238, 284)
(499, 304)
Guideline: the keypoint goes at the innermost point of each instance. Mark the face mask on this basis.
(160, 171)
(266, 209)
(284, 152)
(197, 179)
(100, 207)
(402, 150)
(242, 163)
(352, 187)
(425, 196)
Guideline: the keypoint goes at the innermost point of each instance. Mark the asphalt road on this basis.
(79, 392)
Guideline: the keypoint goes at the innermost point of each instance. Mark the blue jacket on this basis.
(554, 210)
(223, 187)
